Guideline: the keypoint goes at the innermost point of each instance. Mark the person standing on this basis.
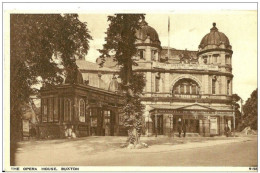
(227, 129)
(184, 129)
(179, 127)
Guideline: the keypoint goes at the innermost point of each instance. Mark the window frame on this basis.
(228, 86)
(44, 110)
(141, 54)
(84, 110)
(213, 87)
(157, 84)
(68, 112)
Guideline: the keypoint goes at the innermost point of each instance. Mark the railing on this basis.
(209, 96)
(187, 96)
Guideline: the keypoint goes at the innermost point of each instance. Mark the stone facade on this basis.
(191, 87)
(204, 78)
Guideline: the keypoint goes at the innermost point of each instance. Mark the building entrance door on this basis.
(160, 125)
(214, 126)
(192, 125)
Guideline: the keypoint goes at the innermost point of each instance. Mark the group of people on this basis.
(181, 128)
(69, 132)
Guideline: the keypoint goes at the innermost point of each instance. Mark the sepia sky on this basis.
(187, 30)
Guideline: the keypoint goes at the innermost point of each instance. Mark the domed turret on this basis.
(215, 39)
(147, 31)
(215, 49)
(148, 43)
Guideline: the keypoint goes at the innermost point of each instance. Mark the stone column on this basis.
(167, 83)
(148, 82)
(205, 87)
(163, 82)
(223, 85)
(156, 125)
(221, 125)
(61, 111)
(201, 127)
(148, 53)
(207, 127)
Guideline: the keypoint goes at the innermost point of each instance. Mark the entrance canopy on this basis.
(189, 110)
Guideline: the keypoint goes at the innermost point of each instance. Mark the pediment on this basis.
(195, 107)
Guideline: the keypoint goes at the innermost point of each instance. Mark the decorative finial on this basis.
(214, 28)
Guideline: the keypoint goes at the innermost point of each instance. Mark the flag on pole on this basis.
(168, 23)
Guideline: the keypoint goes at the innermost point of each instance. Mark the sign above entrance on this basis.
(190, 112)
(185, 66)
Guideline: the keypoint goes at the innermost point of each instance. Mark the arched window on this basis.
(81, 110)
(67, 110)
(185, 87)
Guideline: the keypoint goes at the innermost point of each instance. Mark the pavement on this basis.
(93, 151)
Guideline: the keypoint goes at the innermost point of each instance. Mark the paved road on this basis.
(232, 154)
(104, 152)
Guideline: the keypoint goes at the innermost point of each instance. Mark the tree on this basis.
(236, 98)
(120, 45)
(43, 47)
(250, 111)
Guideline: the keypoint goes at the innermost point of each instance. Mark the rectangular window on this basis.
(213, 86)
(194, 89)
(182, 89)
(188, 90)
(215, 58)
(44, 111)
(93, 117)
(56, 107)
(141, 52)
(205, 59)
(227, 58)
(154, 53)
(50, 110)
(106, 118)
(228, 87)
(157, 84)
(82, 110)
(210, 60)
(67, 110)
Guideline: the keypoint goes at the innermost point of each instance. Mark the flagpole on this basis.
(168, 37)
